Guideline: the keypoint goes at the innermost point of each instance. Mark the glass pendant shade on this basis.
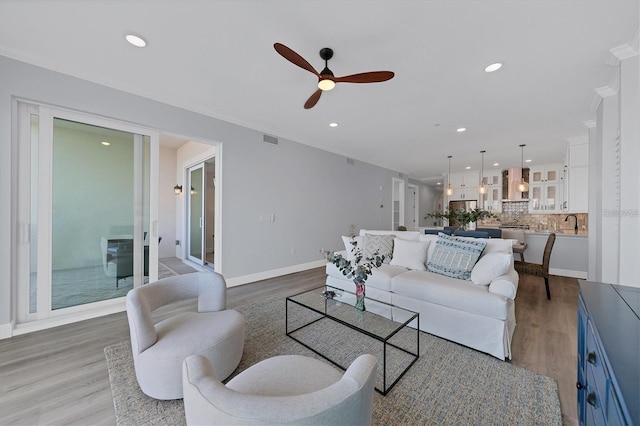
(449, 190)
(482, 189)
(522, 186)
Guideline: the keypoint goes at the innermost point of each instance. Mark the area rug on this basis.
(448, 385)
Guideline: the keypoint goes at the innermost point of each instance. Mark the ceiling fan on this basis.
(326, 79)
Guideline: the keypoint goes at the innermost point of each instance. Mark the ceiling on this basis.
(217, 58)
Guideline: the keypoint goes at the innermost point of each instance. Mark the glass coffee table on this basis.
(338, 332)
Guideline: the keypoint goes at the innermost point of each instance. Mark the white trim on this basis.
(245, 279)
(568, 273)
(6, 331)
(115, 306)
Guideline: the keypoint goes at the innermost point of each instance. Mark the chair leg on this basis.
(521, 257)
(546, 285)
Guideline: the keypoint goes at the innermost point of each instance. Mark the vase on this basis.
(360, 290)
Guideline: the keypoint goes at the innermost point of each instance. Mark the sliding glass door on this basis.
(86, 209)
(195, 214)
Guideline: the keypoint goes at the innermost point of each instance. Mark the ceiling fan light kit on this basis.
(326, 78)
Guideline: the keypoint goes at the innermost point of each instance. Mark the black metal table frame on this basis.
(385, 340)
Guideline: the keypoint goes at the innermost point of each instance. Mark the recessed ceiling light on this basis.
(493, 67)
(135, 40)
(438, 183)
(334, 124)
(496, 164)
(105, 143)
(527, 161)
(461, 129)
(468, 167)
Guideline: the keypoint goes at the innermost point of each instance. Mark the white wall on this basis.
(614, 177)
(167, 202)
(314, 195)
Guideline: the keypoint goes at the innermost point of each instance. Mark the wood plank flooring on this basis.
(59, 376)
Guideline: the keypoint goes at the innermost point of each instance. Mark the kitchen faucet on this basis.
(575, 228)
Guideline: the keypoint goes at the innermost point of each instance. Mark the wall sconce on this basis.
(177, 189)
(193, 191)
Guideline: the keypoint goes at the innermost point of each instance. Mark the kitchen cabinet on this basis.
(545, 189)
(608, 346)
(492, 200)
(465, 186)
(577, 179)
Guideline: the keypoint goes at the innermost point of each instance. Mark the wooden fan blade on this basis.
(293, 57)
(366, 77)
(313, 99)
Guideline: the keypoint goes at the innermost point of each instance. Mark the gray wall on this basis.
(315, 195)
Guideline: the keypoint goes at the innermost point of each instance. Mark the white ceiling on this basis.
(217, 58)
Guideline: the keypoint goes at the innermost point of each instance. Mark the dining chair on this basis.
(539, 270)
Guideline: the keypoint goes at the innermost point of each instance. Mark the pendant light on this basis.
(449, 191)
(522, 186)
(482, 189)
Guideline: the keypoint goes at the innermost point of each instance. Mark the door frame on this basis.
(214, 151)
(416, 205)
(43, 318)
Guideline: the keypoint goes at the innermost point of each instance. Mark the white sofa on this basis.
(479, 315)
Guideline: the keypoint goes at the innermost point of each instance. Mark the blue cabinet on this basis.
(608, 354)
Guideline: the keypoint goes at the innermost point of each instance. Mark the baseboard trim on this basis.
(568, 273)
(6, 330)
(245, 279)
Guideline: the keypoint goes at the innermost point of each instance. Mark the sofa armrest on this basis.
(505, 285)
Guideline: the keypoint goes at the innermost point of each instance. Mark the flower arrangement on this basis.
(358, 269)
(461, 216)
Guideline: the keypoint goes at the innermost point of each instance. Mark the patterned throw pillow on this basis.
(455, 257)
(383, 244)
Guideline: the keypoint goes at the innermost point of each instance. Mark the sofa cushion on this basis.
(380, 278)
(490, 266)
(410, 254)
(455, 257)
(350, 247)
(450, 292)
(378, 244)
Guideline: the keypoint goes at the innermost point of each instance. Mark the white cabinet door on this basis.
(578, 189)
(545, 189)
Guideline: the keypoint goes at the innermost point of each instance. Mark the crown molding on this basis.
(605, 91)
(578, 140)
(589, 124)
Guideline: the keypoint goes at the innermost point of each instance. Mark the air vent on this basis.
(270, 139)
(351, 161)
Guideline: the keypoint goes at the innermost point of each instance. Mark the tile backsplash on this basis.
(517, 213)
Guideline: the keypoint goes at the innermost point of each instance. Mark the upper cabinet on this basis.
(465, 186)
(545, 189)
(492, 200)
(577, 178)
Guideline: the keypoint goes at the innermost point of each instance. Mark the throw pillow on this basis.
(349, 247)
(382, 244)
(410, 254)
(454, 257)
(490, 266)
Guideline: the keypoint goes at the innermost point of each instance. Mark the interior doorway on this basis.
(200, 223)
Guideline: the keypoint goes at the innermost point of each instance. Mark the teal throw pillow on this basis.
(455, 257)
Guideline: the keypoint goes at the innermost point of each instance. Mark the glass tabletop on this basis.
(380, 320)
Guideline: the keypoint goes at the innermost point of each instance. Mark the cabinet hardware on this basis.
(591, 398)
(580, 386)
(591, 357)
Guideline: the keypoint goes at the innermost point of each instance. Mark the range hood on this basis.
(510, 180)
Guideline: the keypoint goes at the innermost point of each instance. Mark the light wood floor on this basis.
(59, 376)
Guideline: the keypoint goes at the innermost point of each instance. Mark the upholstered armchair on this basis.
(287, 389)
(160, 347)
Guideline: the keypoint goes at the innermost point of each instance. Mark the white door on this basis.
(87, 209)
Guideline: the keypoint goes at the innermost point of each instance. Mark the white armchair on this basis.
(159, 348)
(287, 389)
